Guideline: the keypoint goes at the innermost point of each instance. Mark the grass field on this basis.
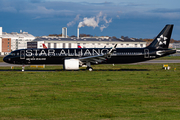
(1, 59)
(142, 91)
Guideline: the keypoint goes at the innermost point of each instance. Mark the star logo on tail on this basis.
(162, 40)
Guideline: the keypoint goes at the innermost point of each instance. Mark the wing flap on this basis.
(93, 59)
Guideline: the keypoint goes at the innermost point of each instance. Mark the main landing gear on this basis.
(89, 66)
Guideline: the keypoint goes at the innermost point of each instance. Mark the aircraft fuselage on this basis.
(57, 56)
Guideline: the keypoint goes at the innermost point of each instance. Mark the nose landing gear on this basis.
(23, 67)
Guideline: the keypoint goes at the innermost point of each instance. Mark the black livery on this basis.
(72, 59)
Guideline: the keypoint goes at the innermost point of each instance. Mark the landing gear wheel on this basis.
(23, 66)
(89, 68)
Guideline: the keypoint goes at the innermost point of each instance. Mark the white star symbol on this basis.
(162, 40)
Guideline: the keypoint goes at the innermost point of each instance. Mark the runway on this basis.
(161, 61)
(3, 64)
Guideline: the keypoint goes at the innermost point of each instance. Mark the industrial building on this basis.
(13, 41)
(176, 45)
(84, 42)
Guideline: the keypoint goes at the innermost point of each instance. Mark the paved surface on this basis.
(162, 61)
(3, 64)
(151, 61)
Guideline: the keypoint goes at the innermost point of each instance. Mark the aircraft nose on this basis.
(5, 59)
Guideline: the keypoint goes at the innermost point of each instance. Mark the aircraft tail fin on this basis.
(44, 46)
(79, 46)
(163, 38)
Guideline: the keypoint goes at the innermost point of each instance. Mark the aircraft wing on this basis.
(97, 58)
(93, 59)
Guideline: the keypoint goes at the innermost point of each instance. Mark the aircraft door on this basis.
(146, 53)
(22, 54)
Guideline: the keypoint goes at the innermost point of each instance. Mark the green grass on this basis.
(143, 91)
(1, 59)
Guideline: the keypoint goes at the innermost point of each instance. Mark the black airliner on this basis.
(73, 58)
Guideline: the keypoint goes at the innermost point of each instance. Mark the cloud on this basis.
(37, 7)
(40, 8)
(165, 10)
(132, 4)
(8, 9)
(98, 4)
(165, 13)
(35, 1)
(7, 6)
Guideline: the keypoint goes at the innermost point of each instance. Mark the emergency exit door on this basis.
(146, 53)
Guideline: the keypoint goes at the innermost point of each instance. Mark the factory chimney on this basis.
(64, 32)
(78, 33)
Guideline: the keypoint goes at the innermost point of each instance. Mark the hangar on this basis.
(85, 42)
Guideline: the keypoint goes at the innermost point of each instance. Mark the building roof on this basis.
(97, 39)
(15, 34)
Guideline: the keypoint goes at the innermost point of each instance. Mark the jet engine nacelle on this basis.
(71, 64)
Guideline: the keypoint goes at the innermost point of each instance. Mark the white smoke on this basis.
(104, 18)
(94, 21)
(98, 16)
(106, 23)
(74, 21)
(102, 27)
(90, 22)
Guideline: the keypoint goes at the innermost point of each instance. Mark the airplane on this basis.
(73, 58)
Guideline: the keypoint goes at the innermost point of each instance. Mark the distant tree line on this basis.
(171, 41)
(56, 35)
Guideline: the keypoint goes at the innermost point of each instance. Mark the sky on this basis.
(137, 19)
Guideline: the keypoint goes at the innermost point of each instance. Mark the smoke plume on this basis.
(74, 21)
(94, 21)
(106, 23)
(90, 22)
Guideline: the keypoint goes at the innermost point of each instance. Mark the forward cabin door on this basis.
(22, 54)
(146, 53)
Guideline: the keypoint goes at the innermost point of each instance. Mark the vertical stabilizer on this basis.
(163, 39)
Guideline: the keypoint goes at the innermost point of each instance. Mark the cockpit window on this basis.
(13, 54)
